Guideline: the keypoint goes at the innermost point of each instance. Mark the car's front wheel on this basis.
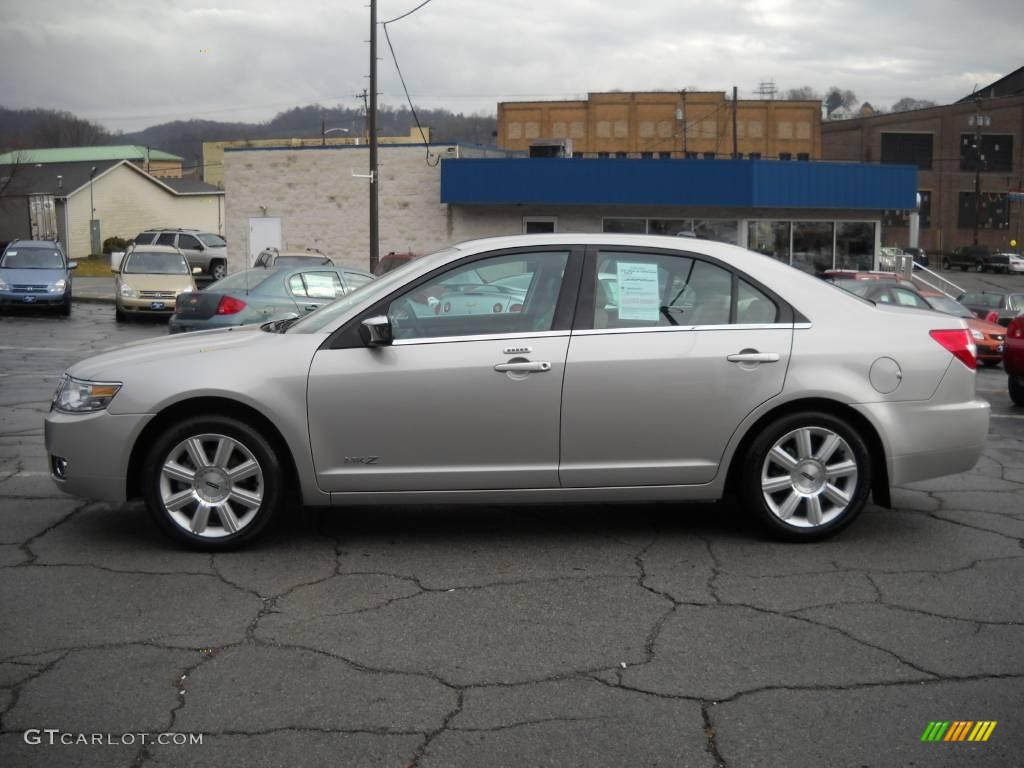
(806, 476)
(979, 266)
(212, 482)
(1016, 384)
(946, 264)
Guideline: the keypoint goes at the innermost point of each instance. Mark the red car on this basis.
(1013, 359)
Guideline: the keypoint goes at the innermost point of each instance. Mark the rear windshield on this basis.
(990, 300)
(289, 261)
(948, 306)
(32, 258)
(247, 281)
(155, 263)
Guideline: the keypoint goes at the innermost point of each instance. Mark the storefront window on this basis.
(855, 245)
(669, 227)
(625, 226)
(812, 245)
(770, 238)
(720, 230)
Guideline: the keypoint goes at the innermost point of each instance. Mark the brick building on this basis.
(983, 133)
(666, 125)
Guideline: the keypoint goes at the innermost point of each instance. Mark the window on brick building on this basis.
(908, 149)
(995, 153)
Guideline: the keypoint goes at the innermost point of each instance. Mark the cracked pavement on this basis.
(598, 635)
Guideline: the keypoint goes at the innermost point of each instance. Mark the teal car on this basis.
(263, 295)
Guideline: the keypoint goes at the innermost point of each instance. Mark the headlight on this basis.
(3, 284)
(58, 287)
(77, 396)
(127, 292)
(978, 335)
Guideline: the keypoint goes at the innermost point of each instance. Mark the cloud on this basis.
(240, 60)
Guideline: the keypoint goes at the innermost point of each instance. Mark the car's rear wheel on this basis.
(979, 266)
(212, 482)
(218, 269)
(1016, 385)
(806, 476)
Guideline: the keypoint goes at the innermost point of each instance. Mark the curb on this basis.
(91, 300)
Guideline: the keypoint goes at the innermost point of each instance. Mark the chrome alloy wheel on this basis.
(809, 477)
(211, 485)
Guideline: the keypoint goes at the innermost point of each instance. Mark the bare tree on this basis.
(908, 103)
(803, 93)
(9, 172)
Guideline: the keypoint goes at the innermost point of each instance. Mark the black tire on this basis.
(248, 445)
(218, 269)
(119, 316)
(65, 308)
(946, 265)
(1016, 387)
(979, 266)
(759, 469)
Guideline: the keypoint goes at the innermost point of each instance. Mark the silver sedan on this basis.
(631, 368)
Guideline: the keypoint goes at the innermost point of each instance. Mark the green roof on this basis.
(85, 154)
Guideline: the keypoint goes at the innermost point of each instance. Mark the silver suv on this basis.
(205, 250)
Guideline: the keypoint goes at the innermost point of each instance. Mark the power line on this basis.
(407, 13)
(401, 78)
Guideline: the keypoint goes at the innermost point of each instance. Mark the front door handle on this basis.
(751, 356)
(522, 367)
(311, 307)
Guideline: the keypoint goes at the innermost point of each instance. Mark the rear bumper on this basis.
(929, 439)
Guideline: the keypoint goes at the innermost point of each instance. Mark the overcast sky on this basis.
(128, 64)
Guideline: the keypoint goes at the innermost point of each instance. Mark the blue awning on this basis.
(719, 183)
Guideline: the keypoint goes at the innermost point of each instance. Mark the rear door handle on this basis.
(754, 357)
(524, 367)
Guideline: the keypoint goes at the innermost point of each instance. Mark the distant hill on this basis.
(38, 128)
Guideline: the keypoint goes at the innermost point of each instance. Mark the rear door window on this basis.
(165, 238)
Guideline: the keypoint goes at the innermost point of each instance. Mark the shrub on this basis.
(114, 244)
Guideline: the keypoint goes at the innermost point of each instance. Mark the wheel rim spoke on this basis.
(227, 517)
(836, 496)
(248, 498)
(803, 444)
(176, 471)
(223, 452)
(197, 453)
(176, 501)
(777, 484)
(782, 458)
(828, 448)
(201, 519)
(842, 469)
(814, 515)
(245, 470)
(789, 505)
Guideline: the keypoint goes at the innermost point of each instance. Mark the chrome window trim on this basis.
(678, 328)
(481, 337)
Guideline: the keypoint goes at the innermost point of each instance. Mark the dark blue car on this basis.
(36, 273)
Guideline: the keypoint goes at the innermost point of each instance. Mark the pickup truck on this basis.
(976, 257)
(1013, 359)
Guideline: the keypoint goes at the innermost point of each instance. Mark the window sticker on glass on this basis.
(638, 291)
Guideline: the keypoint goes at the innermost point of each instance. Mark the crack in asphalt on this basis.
(432, 736)
(712, 735)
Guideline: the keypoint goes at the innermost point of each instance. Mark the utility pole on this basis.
(372, 128)
(735, 138)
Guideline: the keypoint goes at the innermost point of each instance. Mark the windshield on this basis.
(214, 241)
(247, 281)
(32, 258)
(155, 263)
(948, 306)
(321, 318)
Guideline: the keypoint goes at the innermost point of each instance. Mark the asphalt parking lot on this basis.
(502, 636)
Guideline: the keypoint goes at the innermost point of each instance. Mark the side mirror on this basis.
(197, 270)
(378, 331)
(72, 265)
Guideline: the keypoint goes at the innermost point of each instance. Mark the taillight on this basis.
(516, 308)
(229, 305)
(992, 317)
(958, 342)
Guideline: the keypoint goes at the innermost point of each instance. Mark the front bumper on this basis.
(161, 307)
(96, 448)
(34, 299)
